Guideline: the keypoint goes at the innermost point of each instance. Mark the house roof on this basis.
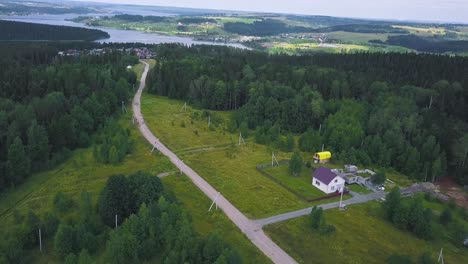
(324, 175)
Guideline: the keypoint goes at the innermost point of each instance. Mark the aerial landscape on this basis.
(233, 132)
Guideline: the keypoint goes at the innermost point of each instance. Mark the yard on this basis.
(362, 236)
(301, 184)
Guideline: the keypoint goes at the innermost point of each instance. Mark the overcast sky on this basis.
(423, 10)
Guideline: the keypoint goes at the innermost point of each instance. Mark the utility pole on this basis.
(430, 103)
(441, 256)
(40, 240)
(115, 222)
(124, 109)
(320, 128)
(209, 121)
(241, 139)
(184, 107)
(214, 202)
(274, 160)
(323, 146)
(341, 198)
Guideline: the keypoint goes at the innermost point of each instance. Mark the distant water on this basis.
(116, 35)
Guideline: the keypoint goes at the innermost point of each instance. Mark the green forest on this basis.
(152, 226)
(21, 31)
(50, 105)
(405, 111)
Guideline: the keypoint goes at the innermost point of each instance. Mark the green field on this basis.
(215, 221)
(362, 236)
(301, 184)
(236, 178)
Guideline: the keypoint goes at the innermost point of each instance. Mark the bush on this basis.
(62, 203)
(399, 259)
(295, 164)
(378, 178)
(445, 216)
(64, 241)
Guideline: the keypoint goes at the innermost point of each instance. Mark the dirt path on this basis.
(250, 228)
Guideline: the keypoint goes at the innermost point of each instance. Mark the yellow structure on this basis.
(322, 157)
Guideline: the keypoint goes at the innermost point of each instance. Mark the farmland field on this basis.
(362, 236)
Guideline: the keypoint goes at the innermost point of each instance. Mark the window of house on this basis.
(333, 188)
(317, 182)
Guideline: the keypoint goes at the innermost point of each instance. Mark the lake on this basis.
(116, 35)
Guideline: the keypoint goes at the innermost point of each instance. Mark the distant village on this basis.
(142, 53)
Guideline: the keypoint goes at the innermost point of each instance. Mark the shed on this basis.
(322, 157)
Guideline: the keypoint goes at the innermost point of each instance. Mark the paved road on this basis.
(250, 228)
(358, 198)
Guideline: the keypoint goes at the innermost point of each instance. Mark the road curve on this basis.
(250, 228)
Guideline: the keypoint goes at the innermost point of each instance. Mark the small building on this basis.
(322, 157)
(129, 67)
(351, 168)
(327, 181)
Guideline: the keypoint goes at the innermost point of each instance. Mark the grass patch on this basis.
(362, 236)
(205, 222)
(301, 184)
(358, 188)
(177, 129)
(239, 181)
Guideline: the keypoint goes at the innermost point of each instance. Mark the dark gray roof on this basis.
(324, 175)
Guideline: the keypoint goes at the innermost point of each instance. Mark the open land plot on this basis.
(195, 202)
(358, 38)
(423, 31)
(278, 47)
(237, 179)
(301, 183)
(362, 236)
(178, 130)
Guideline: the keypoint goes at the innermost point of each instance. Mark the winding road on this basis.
(250, 228)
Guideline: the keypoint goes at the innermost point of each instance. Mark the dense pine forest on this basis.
(50, 105)
(406, 111)
(13, 30)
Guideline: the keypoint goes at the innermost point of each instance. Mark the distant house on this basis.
(327, 181)
(322, 157)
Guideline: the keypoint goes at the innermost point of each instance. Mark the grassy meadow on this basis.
(362, 236)
(207, 152)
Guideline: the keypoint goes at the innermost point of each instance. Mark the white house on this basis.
(327, 181)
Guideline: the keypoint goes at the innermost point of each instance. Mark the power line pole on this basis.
(441, 256)
(115, 222)
(214, 202)
(274, 160)
(241, 139)
(209, 120)
(40, 240)
(341, 198)
(184, 108)
(124, 109)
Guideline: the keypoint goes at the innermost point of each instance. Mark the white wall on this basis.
(332, 187)
(320, 185)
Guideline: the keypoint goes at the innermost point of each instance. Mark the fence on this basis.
(261, 168)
